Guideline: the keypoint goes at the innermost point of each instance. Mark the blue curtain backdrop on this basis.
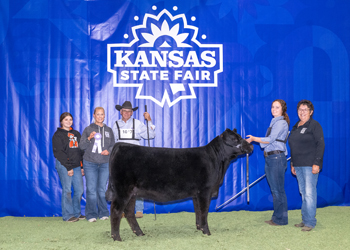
(69, 55)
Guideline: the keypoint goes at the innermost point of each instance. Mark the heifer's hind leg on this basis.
(203, 203)
(116, 215)
(197, 211)
(130, 216)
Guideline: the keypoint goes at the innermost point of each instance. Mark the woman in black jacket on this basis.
(65, 144)
(307, 146)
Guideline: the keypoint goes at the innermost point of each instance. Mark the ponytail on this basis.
(286, 117)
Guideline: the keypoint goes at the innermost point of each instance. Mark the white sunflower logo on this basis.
(164, 59)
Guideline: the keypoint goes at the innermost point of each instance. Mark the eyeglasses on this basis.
(126, 111)
(303, 110)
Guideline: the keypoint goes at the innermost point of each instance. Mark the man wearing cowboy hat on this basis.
(130, 130)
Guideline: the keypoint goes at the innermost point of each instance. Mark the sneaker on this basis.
(139, 214)
(305, 229)
(104, 218)
(301, 224)
(72, 219)
(82, 217)
(92, 220)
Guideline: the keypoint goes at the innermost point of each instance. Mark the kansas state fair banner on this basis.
(199, 66)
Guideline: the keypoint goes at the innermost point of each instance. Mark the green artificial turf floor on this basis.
(230, 230)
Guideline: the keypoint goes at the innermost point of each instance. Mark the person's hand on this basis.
(70, 172)
(92, 135)
(315, 169)
(292, 169)
(105, 152)
(250, 139)
(82, 172)
(147, 116)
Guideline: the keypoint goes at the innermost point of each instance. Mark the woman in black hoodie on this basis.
(97, 141)
(65, 144)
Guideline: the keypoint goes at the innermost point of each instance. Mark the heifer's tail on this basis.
(109, 192)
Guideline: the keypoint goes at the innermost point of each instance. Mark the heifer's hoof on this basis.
(206, 231)
(198, 227)
(139, 233)
(116, 237)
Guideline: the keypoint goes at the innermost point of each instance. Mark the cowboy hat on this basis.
(126, 105)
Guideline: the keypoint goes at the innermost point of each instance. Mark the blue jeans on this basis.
(139, 205)
(70, 207)
(307, 182)
(96, 176)
(275, 168)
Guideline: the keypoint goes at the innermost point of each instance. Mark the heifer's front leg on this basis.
(115, 221)
(197, 211)
(203, 202)
(130, 216)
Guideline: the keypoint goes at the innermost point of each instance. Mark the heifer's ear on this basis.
(235, 130)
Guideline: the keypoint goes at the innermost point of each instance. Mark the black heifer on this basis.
(168, 174)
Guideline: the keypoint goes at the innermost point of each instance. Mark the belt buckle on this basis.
(265, 154)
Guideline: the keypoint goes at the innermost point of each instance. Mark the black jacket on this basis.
(65, 145)
(307, 144)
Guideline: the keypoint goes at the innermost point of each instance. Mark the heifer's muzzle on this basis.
(246, 147)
